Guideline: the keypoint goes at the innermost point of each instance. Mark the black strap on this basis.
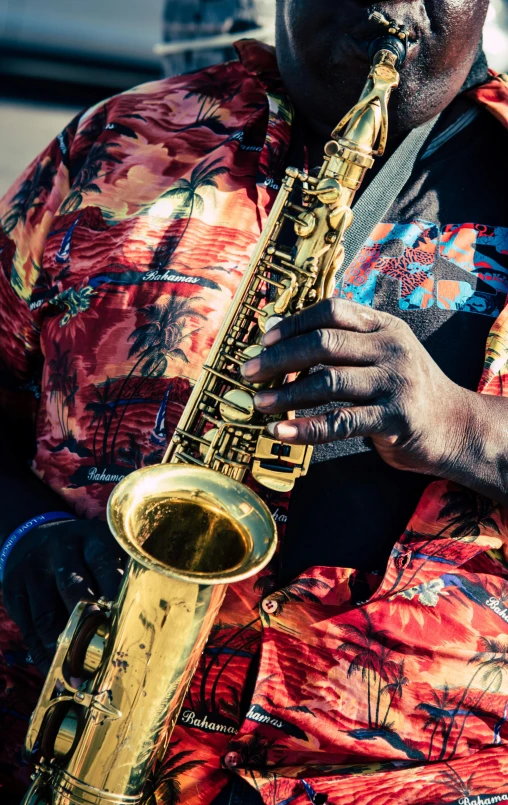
(378, 197)
(369, 211)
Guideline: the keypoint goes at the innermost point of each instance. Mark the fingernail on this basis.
(271, 337)
(283, 431)
(251, 368)
(265, 399)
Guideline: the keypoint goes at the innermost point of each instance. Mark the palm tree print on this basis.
(394, 688)
(492, 665)
(493, 662)
(364, 643)
(439, 714)
(101, 408)
(468, 513)
(85, 182)
(164, 786)
(131, 455)
(28, 197)
(185, 192)
(155, 342)
(63, 386)
(452, 780)
(210, 96)
(385, 680)
(218, 655)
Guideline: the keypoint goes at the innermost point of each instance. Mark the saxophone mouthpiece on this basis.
(395, 38)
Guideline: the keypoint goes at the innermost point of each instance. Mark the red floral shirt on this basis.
(121, 247)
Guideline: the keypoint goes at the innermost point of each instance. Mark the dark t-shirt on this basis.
(441, 264)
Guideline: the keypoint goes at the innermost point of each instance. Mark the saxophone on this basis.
(189, 525)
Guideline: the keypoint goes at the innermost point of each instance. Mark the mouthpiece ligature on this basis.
(395, 39)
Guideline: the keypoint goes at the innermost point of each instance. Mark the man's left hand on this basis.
(417, 417)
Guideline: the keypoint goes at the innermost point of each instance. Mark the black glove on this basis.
(49, 570)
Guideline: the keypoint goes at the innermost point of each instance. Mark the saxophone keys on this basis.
(269, 317)
(209, 436)
(340, 219)
(253, 351)
(237, 406)
(305, 224)
(328, 191)
(282, 302)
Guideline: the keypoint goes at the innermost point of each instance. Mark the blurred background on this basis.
(59, 56)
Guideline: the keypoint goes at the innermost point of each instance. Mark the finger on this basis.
(105, 561)
(17, 607)
(337, 425)
(73, 579)
(48, 613)
(328, 385)
(328, 314)
(329, 347)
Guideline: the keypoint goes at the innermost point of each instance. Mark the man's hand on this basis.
(49, 570)
(416, 417)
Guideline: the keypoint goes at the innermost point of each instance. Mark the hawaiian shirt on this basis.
(121, 247)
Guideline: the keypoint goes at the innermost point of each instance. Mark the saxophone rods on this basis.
(122, 668)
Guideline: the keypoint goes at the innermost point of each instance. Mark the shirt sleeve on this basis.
(26, 214)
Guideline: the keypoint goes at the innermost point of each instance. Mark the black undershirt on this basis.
(349, 512)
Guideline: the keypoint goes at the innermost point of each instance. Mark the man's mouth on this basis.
(363, 32)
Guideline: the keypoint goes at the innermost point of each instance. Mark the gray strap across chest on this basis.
(369, 211)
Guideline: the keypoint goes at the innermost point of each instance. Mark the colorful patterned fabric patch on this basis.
(408, 252)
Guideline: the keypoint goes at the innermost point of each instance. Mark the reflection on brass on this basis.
(189, 525)
(66, 735)
(192, 537)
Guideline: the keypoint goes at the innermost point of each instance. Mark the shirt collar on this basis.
(260, 61)
(493, 96)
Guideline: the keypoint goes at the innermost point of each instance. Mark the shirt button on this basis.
(231, 760)
(270, 606)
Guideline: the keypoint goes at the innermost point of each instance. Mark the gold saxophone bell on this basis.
(192, 524)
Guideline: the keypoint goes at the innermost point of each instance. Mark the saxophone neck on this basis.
(366, 124)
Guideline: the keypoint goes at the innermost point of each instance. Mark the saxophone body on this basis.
(189, 525)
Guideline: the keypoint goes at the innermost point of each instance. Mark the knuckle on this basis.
(330, 382)
(324, 341)
(288, 396)
(317, 430)
(397, 344)
(276, 355)
(398, 326)
(333, 308)
(294, 325)
(343, 423)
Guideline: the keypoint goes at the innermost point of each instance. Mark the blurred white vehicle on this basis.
(495, 37)
(104, 42)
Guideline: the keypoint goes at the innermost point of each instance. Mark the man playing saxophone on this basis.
(371, 655)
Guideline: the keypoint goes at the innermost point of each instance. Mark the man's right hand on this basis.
(49, 570)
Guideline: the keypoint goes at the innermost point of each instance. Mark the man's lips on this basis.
(361, 35)
(368, 30)
(364, 29)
